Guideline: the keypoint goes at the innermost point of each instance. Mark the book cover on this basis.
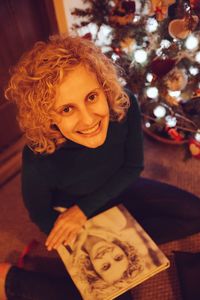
(111, 255)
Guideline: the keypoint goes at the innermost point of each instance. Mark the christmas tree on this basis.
(157, 43)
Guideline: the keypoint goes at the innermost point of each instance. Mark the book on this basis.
(111, 255)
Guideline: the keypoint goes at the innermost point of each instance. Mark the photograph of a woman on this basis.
(110, 255)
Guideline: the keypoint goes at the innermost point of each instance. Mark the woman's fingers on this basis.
(61, 235)
(66, 227)
(66, 239)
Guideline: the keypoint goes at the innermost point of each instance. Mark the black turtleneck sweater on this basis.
(75, 174)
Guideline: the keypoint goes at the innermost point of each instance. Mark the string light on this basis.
(152, 92)
(193, 71)
(151, 25)
(191, 42)
(170, 121)
(140, 56)
(149, 77)
(197, 57)
(175, 94)
(147, 124)
(197, 136)
(165, 44)
(114, 56)
(159, 111)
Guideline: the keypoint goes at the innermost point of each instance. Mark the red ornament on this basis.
(117, 50)
(174, 134)
(194, 147)
(160, 67)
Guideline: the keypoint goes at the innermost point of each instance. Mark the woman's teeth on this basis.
(92, 130)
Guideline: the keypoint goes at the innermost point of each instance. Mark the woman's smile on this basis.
(93, 130)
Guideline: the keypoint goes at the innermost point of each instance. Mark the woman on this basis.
(84, 152)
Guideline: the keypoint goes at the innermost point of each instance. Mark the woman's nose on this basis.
(86, 117)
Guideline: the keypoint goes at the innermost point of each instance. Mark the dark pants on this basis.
(165, 212)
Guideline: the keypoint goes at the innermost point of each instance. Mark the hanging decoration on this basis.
(181, 28)
(176, 80)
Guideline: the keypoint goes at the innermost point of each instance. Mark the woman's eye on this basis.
(119, 257)
(66, 110)
(105, 267)
(92, 97)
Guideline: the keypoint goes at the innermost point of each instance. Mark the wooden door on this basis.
(22, 23)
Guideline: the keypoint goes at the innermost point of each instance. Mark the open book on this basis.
(111, 255)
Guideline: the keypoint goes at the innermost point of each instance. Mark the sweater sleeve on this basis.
(128, 173)
(37, 196)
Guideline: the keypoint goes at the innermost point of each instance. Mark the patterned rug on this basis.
(165, 285)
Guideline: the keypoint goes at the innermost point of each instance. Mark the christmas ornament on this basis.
(161, 67)
(123, 12)
(127, 45)
(160, 8)
(181, 28)
(194, 147)
(174, 134)
(176, 80)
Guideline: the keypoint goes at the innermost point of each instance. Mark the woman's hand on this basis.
(66, 227)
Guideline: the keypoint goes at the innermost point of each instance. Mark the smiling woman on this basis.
(84, 152)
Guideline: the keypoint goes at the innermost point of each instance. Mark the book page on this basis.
(111, 255)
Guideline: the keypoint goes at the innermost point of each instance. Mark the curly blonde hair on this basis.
(40, 71)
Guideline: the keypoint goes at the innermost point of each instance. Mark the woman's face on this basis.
(109, 261)
(83, 109)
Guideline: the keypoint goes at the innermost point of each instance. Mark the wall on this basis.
(69, 5)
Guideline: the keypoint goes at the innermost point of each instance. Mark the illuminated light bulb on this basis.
(140, 56)
(197, 136)
(136, 19)
(170, 121)
(147, 124)
(114, 56)
(193, 71)
(122, 81)
(159, 111)
(191, 43)
(151, 25)
(197, 57)
(152, 92)
(149, 77)
(174, 93)
(165, 44)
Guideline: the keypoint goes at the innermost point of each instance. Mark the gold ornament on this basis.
(181, 28)
(176, 80)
